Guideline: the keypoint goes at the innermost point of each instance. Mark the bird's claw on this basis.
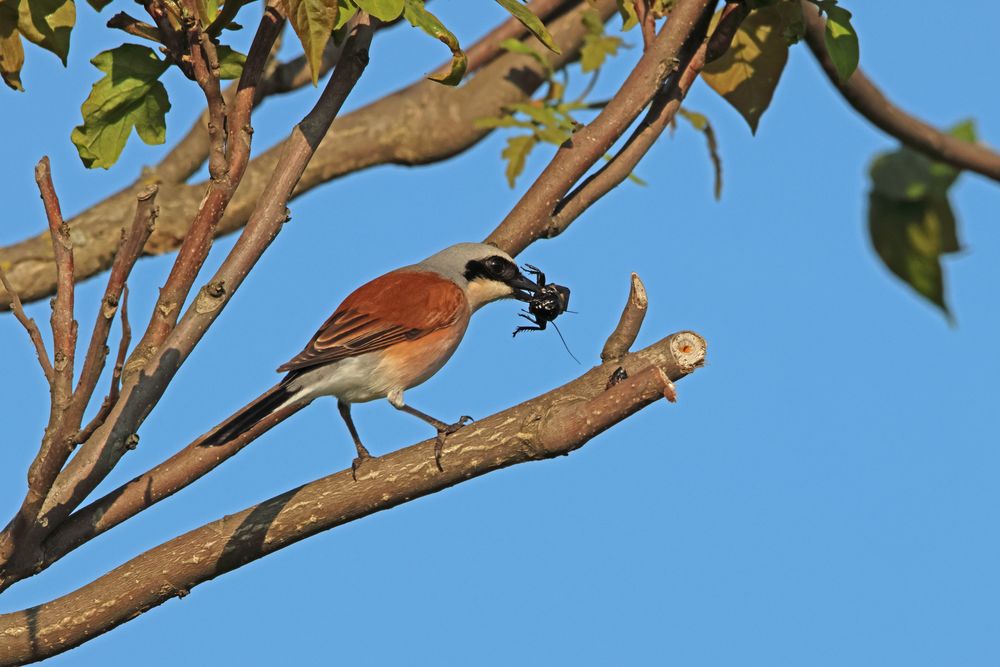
(444, 433)
(356, 463)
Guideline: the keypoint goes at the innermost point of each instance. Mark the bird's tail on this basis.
(251, 414)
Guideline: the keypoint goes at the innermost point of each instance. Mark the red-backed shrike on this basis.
(390, 334)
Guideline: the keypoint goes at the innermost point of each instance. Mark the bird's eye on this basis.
(497, 266)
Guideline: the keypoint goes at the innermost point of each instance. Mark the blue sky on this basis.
(823, 493)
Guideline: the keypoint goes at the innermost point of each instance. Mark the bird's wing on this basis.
(399, 306)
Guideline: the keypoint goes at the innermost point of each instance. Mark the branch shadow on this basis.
(247, 542)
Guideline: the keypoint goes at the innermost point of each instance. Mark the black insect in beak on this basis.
(524, 288)
(548, 302)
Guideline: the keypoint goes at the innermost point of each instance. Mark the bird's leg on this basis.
(443, 429)
(363, 455)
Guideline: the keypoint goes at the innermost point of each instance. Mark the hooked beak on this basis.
(524, 288)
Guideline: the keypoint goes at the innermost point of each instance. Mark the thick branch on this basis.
(420, 124)
(530, 218)
(869, 101)
(536, 429)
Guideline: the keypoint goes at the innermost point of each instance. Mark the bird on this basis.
(389, 335)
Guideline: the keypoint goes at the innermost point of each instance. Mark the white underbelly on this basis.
(355, 380)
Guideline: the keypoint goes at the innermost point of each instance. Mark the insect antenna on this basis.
(570, 352)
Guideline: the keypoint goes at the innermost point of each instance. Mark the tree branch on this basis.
(130, 247)
(420, 124)
(63, 324)
(620, 341)
(226, 171)
(530, 218)
(99, 455)
(661, 113)
(56, 444)
(544, 427)
(134, 26)
(20, 540)
(29, 325)
(869, 101)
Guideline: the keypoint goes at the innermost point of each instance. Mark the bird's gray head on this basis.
(484, 272)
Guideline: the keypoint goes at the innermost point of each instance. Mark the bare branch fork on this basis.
(20, 541)
(553, 424)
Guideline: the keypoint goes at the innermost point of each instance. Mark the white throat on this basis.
(481, 292)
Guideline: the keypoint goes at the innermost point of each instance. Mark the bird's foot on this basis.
(362, 457)
(443, 433)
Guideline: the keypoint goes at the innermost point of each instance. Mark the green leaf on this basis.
(516, 153)
(700, 122)
(99, 4)
(542, 115)
(531, 22)
(384, 10)
(347, 11)
(230, 62)
(516, 46)
(595, 49)
(47, 23)
(841, 40)
(908, 175)
(552, 134)
(11, 49)
(209, 10)
(747, 74)
(418, 16)
(911, 237)
(129, 95)
(313, 21)
(629, 18)
(596, 45)
(910, 219)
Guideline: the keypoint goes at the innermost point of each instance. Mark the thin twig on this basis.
(30, 327)
(647, 22)
(133, 240)
(226, 16)
(116, 374)
(63, 324)
(134, 26)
